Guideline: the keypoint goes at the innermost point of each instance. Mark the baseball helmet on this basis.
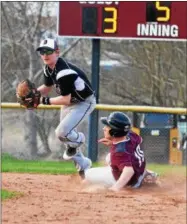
(119, 123)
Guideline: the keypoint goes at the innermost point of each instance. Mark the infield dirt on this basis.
(59, 199)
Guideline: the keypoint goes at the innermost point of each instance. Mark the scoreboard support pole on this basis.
(93, 120)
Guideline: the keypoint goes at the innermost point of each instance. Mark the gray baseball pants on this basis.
(71, 116)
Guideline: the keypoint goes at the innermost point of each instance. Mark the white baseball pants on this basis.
(100, 175)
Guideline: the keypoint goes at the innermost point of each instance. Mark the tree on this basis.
(151, 73)
(23, 26)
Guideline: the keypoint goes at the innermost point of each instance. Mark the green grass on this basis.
(9, 194)
(167, 169)
(11, 164)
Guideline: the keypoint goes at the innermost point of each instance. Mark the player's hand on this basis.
(105, 141)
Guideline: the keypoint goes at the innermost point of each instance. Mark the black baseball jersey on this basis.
(68, 79)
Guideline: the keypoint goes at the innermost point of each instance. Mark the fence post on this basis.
(93, 120)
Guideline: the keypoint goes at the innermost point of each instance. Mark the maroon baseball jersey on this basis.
(128, 153)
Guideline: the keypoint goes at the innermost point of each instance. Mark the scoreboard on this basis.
(159, 20)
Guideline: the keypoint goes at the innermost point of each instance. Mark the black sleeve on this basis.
(66, 84)
(48, 80)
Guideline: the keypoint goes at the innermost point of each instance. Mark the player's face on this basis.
(49, 57)
(106, 130)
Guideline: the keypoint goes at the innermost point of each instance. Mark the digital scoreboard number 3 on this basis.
(109, 20)
(126, 20)
(90, 20)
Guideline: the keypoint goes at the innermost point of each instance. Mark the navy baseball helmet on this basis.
(119, 123)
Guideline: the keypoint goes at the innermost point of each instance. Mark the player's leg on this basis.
(66, 130)
(148, 176)
(67, 133)
(82, 163)
(140, 180)
(64, 111)
(100, 175)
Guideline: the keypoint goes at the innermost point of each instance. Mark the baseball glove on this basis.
(27, 94)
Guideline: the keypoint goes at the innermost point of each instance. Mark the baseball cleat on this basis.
(81, 162)
(69, 153)
(151, 177)
(82, 174)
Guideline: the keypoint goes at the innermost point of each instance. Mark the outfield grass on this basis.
(10, 164)
(9, 194)
(168, 169)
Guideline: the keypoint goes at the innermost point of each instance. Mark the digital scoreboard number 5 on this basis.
(158, 11)
(158, 18)
(90, 20)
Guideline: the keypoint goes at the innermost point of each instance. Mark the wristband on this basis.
(46, 100)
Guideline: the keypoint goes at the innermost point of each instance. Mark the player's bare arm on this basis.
(61, 100)
(44, 90)
(125, 177)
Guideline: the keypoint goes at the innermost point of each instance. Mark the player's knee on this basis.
(60, 133)
(57, 132)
